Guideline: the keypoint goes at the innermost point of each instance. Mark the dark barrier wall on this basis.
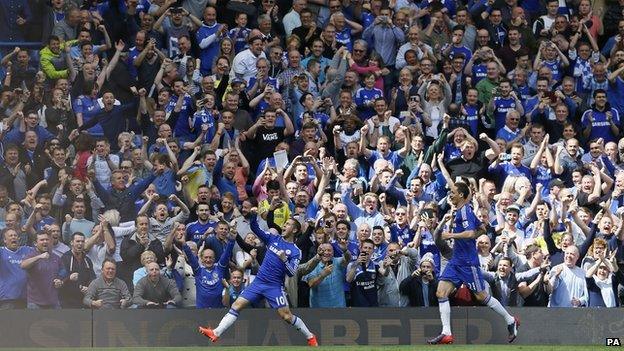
(378, 326)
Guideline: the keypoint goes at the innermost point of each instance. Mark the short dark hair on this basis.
(345, 222)
(53, 37)
(366, 241)
(463, 189)
(598, 91)
(273, 185)
(109, 260)
(77, 234)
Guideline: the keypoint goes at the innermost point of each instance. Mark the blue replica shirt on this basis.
(47, 220)
(364, 96)
(601, 127)
(273, 270)
(352, 246)
(465, 250)
(367, 19)
(89, 107)
(507, 134)
(208, 283)
(227, 186)
(615, 95)
(451, 151)
(501, 107)
(401, 235)
(182, 129)
(200, 118)
(427, 244)
(209, 54)
(344, 37)
(555, 67)
(320, 117)
(478, 72)
(472, 118)
(392, 157)
(363, 287)
(239, 36)
(12, 276)
(195, 230)
(259, 109)
(461, 50)
(268, 80)
(543, 175)
(504, 169)
(379, 253)
(133, 53)
(165, 183)
(524, 93)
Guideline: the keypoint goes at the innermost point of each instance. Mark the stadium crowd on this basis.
(146, 144)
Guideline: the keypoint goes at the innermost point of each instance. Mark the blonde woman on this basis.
(435, 98)
(147, 257)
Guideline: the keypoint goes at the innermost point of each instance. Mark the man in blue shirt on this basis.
(12, 276)
(500, 169)
(209, 276)
(208, 37)
(362, 274)
(503, 101)
(463, 268)
(198, 230)
(112, 118)
(383, 147)
(326, 281)
(510, 132)
(601, 121)
(281, 259)
(456, 48)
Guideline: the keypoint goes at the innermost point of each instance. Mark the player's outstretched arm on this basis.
(255, 228)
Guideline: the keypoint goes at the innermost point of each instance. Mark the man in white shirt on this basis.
(244, 64)
(567, 282)
(292, 19)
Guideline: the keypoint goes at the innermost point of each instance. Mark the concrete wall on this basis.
(376, 326)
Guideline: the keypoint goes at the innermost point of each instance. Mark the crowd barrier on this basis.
(352, 326)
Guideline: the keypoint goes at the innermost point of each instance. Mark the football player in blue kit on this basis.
(463, 267)
(282, 257)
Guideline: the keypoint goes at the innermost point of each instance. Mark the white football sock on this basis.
(445, 315)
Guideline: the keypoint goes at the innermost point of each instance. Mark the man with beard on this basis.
(198, 230)
(80, 273)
